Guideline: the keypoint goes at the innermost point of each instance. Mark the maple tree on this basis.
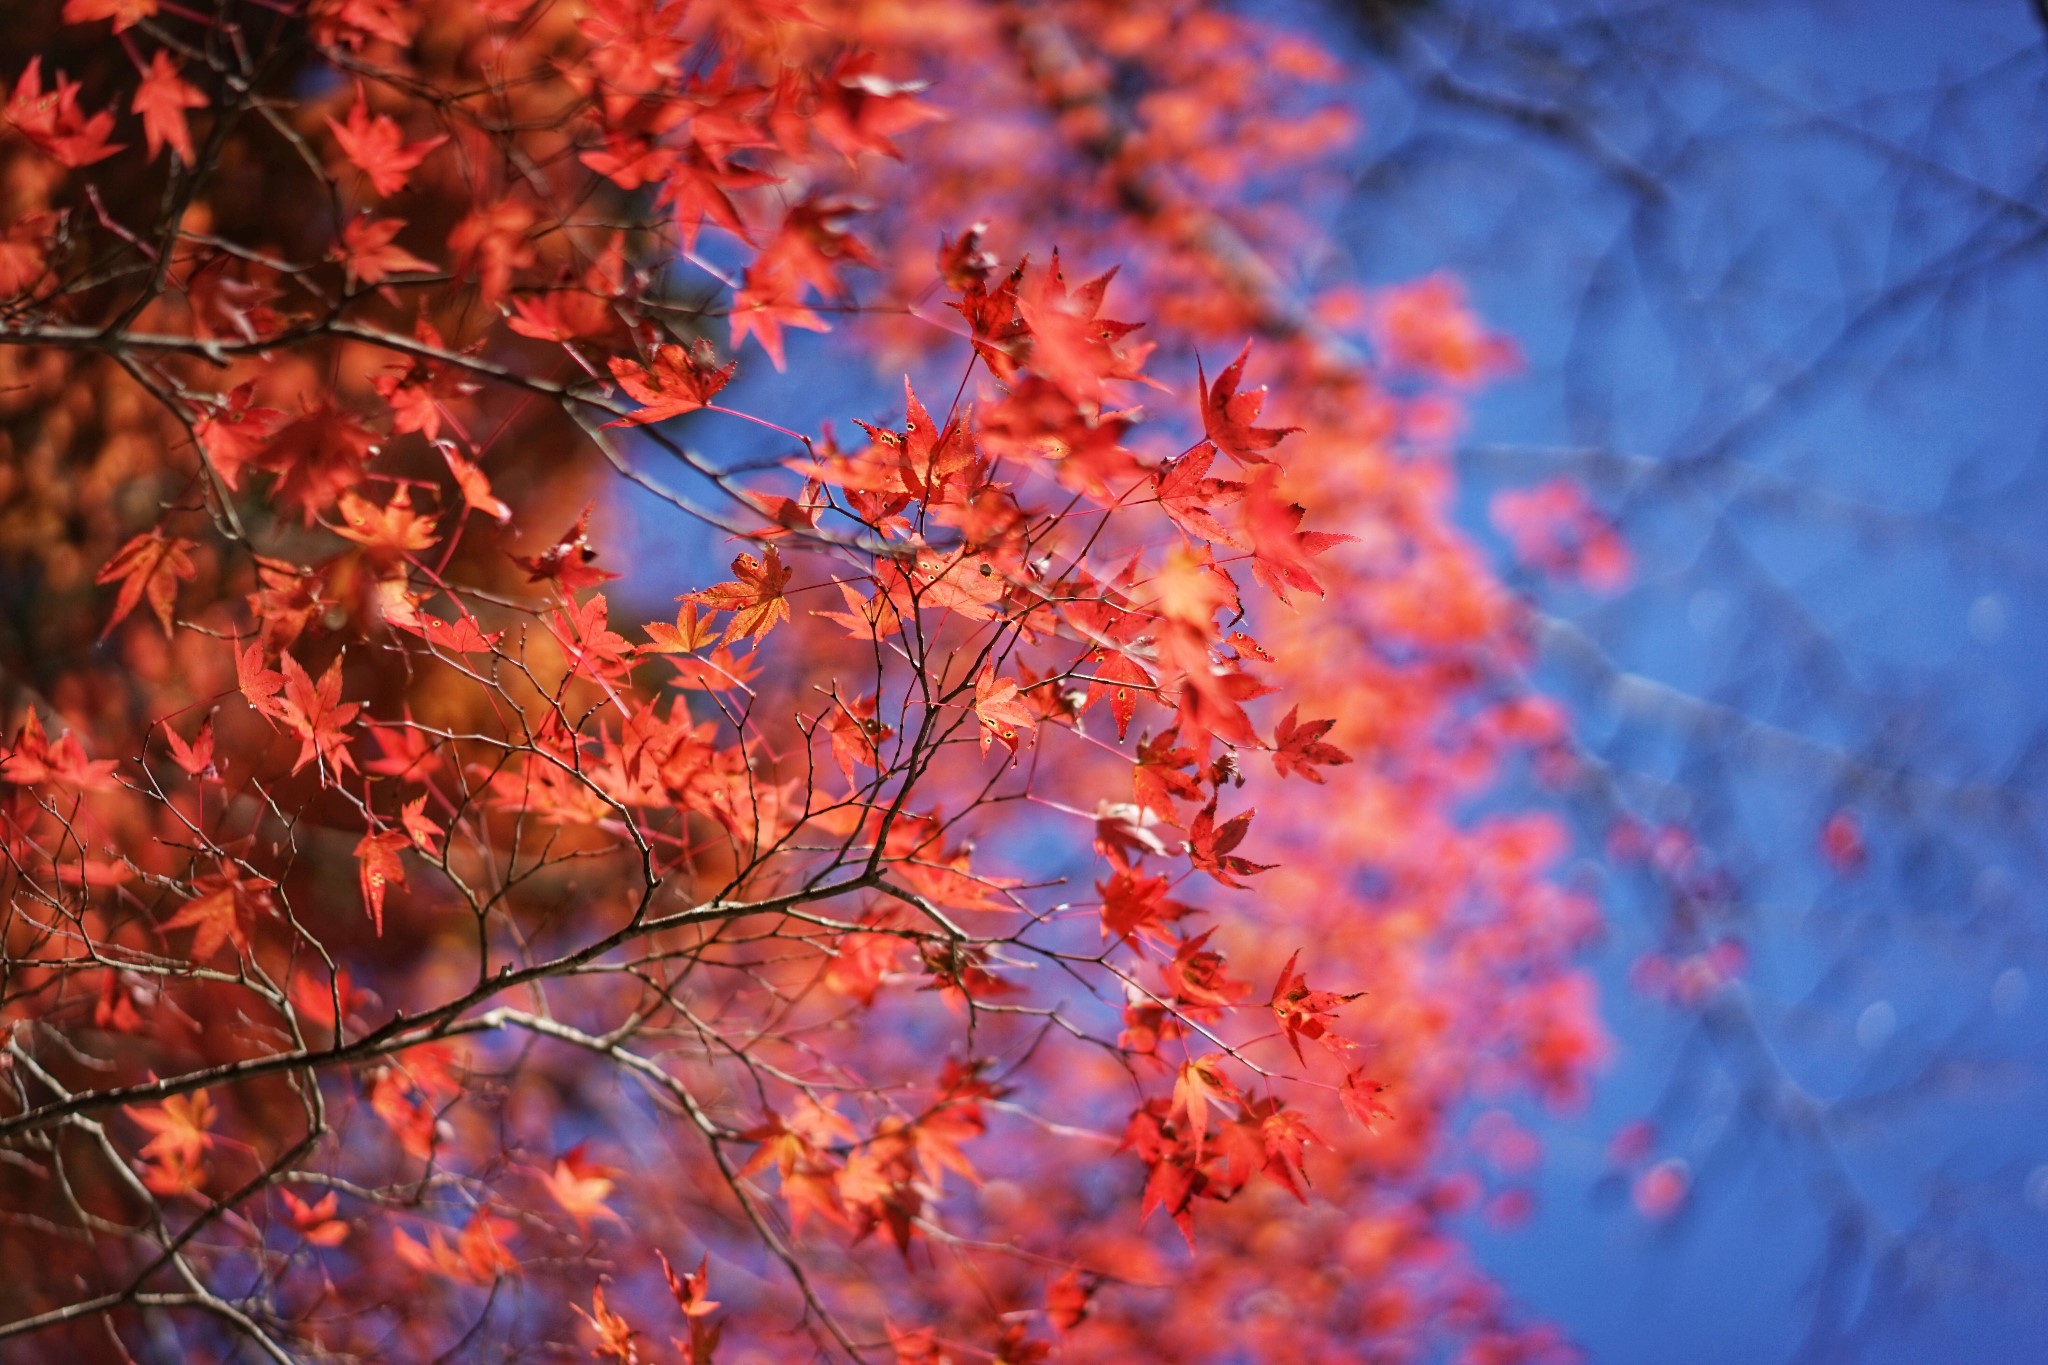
(412, 952)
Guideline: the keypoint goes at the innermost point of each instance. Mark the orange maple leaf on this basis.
(178, 1128)
(754, 596)
(614, 1334)
(1200, 1084)
(691, 632)
(691, 1291)
(221, 901)
(395, 529)
(476, 1256)
(475, 487)
(581, 1186)
(149, 565)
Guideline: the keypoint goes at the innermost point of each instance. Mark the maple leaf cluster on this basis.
(405, 907)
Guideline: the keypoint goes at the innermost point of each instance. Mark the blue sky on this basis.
(1810, 382)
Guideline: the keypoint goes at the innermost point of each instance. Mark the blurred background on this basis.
(1779, 276)
(1771, 480)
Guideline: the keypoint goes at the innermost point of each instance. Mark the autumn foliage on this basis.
(1033, 904)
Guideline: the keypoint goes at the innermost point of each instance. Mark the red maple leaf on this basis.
(316, 713)
(1116, 675)
(1001, 709)
(316, 1222)
(1304, 1013)
(492, 244)
(584, 632)
(419, 826)
(369, 254)
(1227, 415)
(1360, 1094)
(24, 253)
(1281, 550)
(376, 146)
(35, 759)
(696, 187)
(54, 124)
(351, 23)
(234, 432)
(768, 300)
(259, 682)
(196, 758)
(379, 870)
(162, 100)
(1066, 1301)
(1300, 748)
(1198, 975)
(126, 14)
(963, 583)
(316, 455)
(856, 735)
(410, 1121)
(1210, 845)
(463, 635)
(1191, 498)
(814, 246)
(474, 485)
(858, 109)
(570, 561)
(1158, 780)
(1071, 344)
(676, 379)
(1133, 903)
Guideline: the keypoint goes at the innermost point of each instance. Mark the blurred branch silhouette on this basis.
(1793, 261)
